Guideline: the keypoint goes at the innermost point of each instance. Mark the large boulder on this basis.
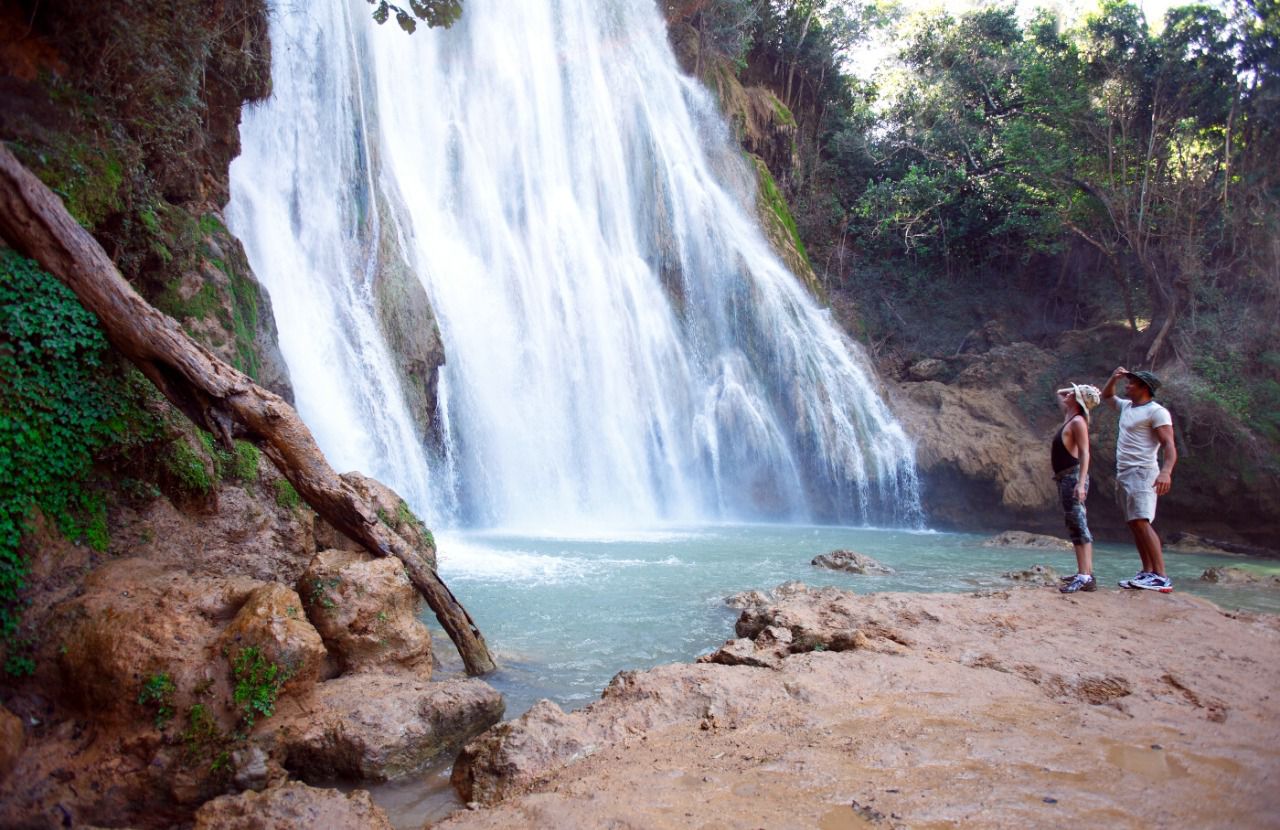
(375, 727)
(272, 621)
(366, 609)
(292, 806)
(850, 562)
(142, 626)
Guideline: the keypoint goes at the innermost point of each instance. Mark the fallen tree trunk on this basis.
(212, 394)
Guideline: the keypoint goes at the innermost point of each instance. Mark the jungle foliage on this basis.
(1081, 172)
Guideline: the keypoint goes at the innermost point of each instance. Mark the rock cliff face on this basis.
(225, 640)
(131, 112)
(765, 128)
(211, 653)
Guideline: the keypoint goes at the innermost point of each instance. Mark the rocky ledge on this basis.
(1015, 708)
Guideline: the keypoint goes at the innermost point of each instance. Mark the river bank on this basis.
(1004, 708)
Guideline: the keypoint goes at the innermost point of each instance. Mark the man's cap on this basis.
(1087, 396)
(1149, 380)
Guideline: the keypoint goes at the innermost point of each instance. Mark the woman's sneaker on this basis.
(1138, 577)
(1080, 582)
(1153, 582)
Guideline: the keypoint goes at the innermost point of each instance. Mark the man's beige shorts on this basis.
(1136, 494)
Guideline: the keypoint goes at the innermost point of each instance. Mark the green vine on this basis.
(56, 411)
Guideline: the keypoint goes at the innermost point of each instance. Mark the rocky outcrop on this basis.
(1030, 541)
(135, 691)
(395, 513)
(366, 609)
(975, 449)
(290, 807)
(993, 688)
(375, 727)
(141, 624)
(850, 562)
(409, 326)
(272, 621)
(1240, 576)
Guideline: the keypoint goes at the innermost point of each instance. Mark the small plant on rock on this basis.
(258, 684)
(320, 592)
(157, 694)
(286, 496)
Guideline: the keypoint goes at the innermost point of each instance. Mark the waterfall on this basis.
(622, 345)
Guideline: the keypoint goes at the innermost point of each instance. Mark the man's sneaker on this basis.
(1138, 577)
(1153, 582)
(1080, 582)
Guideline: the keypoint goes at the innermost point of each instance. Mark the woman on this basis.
(1069, 454)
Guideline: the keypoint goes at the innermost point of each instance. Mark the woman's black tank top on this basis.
(1058, 455)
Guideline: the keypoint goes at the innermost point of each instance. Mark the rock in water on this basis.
(1022, 539)
(850, 562)
(1240, 576)
(1035, 575)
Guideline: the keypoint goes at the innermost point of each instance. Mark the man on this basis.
(1145, 428)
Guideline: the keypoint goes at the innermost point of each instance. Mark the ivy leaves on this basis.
(56, 411)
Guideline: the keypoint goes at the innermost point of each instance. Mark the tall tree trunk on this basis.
(212, 394)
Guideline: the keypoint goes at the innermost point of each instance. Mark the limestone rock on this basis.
(1240, 576)
(412, 333)
(1035, 575)
(767, 650)
(746, 599)
(293, 806)
(272, 620)
(930, 368)
(712, 694)
(366, 609)
(135, 621)
(12, 741)
(978, 457)
(821, 619)
(1182, 542)
(1022, 539)
(395, 513)
(850, 562)
(375, 727)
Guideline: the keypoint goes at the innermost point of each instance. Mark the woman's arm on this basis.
(1080, 432)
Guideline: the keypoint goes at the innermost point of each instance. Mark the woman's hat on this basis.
(1087, 396)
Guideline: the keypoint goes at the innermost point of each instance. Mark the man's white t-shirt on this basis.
(1137, 443)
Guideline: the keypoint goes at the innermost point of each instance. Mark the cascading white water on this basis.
(623, 347)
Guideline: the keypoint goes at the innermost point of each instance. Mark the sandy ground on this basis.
(1020, 708)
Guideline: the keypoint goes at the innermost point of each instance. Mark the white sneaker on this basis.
(1153, 582)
